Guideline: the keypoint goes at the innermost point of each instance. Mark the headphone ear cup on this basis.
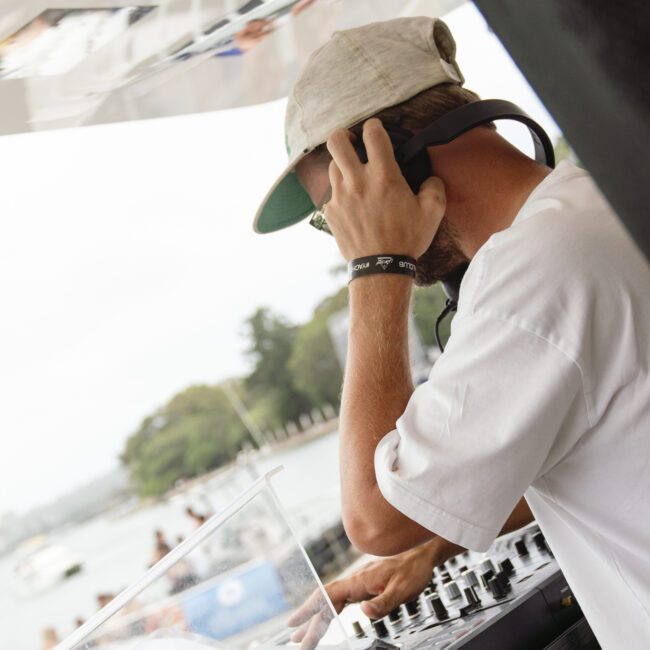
(418, 168)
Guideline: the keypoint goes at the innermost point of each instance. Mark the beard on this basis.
(441, 258)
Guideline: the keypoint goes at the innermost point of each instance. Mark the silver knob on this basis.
(452, 590)
(470, 578)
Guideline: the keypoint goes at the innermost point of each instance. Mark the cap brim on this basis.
(286, 203)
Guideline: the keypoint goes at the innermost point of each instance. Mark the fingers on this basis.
(339, 144)
(432, 197)
(311, 606)
(379, 146)
(393, 595)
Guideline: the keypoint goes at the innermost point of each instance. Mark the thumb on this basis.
(432, 197)
(382, 604)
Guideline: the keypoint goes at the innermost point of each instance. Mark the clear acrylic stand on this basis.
(236, 582)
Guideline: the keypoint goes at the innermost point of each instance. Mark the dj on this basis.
(542, 397)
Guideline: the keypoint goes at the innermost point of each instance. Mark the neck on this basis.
(487, 180)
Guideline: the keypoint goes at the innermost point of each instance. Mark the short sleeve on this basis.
(477, 434)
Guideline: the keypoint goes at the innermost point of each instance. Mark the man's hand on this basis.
(380, 586)
(372, 209)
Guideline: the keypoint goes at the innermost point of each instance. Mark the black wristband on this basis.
(388, 263)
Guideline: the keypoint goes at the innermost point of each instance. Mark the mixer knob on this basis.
(452, 590)
(486, 565)
(486, 577)
(471, 597)
(380, 627)
(504, 581)
(413, 607)
(438, 607)
(507, 567)
(496, 588)
(395, 615)
(521, 547)
(452, 560)
(358, 630)
(540, 542)
(470, 578)
(462, 569)
(445, 577)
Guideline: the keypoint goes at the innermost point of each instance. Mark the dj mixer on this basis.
(513, 598)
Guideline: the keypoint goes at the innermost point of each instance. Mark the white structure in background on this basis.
(99, 61)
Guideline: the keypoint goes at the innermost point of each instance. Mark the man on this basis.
(544, 388)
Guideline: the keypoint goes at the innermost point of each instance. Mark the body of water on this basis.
(116, 549)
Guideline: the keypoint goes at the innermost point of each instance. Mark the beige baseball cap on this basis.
(356, 74)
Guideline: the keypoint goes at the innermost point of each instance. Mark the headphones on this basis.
(413, 160)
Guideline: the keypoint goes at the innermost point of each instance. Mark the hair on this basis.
(415, 113)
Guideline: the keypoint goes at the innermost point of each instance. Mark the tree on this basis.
(270, 385)
(194, 432)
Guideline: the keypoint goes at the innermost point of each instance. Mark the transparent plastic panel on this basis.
(241, 581)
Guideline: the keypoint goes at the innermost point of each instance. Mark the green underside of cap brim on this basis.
(288, 204)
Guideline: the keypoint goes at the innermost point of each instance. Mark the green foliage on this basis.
(271, 382)
(197, 430)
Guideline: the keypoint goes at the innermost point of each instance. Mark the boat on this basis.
(42, 564)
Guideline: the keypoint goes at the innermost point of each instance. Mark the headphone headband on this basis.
(466, 117)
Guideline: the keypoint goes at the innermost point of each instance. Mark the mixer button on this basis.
(471, 597)
(540, 542)
(358, 630)
(486, 565)
(395, 615)
(438, 607)
(521, 547)
(496, 588)
(486, 577)
(504, 581)
(452, 590)
(380, 627)
(507, 567)
(412, 607)
(470, 578)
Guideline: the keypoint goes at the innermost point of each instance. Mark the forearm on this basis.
(376, 391)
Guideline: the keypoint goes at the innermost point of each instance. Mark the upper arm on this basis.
(480, 431)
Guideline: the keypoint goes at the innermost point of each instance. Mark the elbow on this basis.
(370, 537)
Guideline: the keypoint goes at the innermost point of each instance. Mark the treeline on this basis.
(295, 370)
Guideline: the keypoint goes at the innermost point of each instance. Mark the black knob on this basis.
(507, 567)
(452, 560)
(438, 607)
(471, 597)
(486, 577)
(540, 542)
(395, 615)
(504, 581)
(496, 588)
(413, 607)
(462, 569)
(521, 547)
(445, 577)
(358, 630)
(380, 627)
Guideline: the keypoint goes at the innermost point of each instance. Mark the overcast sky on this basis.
(128, 265)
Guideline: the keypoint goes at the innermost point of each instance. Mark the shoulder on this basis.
(554, 245)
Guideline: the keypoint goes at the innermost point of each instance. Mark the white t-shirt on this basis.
(544, 389)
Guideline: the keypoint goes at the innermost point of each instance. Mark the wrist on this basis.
(381, 264)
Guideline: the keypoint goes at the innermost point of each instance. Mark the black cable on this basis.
(450, 306)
